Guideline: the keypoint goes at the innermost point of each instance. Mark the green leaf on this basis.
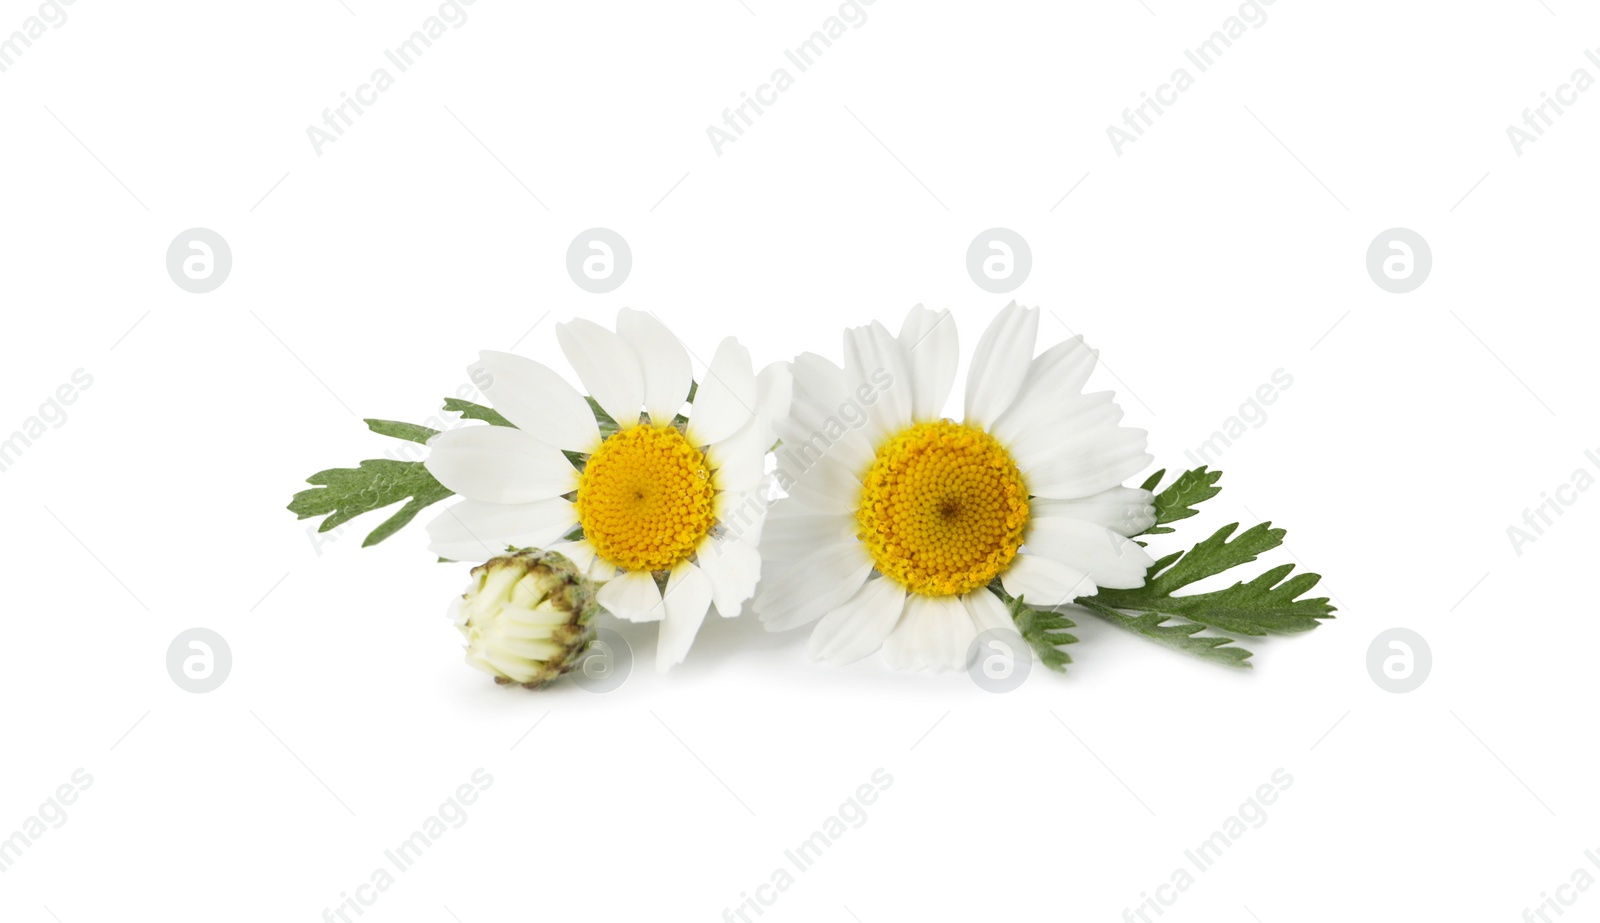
(1269, 604)
(1176, 634)
(342, 494)
(608, 426)
(471, 411)
(1178, 501)
(1044, 630)
(410, 432)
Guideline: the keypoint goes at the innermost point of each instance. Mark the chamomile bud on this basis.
(526, 617)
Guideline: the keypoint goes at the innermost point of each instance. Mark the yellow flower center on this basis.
(943, 508)
(645, 498)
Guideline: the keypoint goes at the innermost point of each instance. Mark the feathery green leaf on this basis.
(1175, 634)
(1269, 604)
(1046, 631)
(1178, 501)
(342, 494)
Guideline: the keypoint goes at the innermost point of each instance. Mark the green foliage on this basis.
(1271, 603)
(1178, 635)
(342, 494)
(410, 432)
(471, 411)
(1178, 501)
(1046, 631)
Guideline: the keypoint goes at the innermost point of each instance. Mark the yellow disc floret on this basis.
(645, 499)
(943, 508)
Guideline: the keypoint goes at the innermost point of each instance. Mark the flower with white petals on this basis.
(664, 511)
(898, 520)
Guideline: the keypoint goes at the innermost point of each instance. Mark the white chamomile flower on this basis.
(897, 520)
(665, 513)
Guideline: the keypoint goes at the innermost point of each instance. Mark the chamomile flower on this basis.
(898, 520)
(665, 512)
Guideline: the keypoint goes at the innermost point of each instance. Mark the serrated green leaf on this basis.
(1046, 631)
(1179, 499)
(1213, 556)
(342, 494)
(1178, 635)
(471, 411)
(1269, 604)
(410, 432)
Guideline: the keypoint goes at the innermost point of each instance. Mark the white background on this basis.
(1224, 245)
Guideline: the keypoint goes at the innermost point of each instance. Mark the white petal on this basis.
(537, 400)
(858, 627)
(817, 379)
(687, 598)
(1058, 374)
(932, 351)
(877, 375)
(827, 476)
(472, 530)
(1044, 582)
(499, 464)
(792, 531)
(1126, 510)
(933, 634)
(811, 433)
(734, 568)
(632, 595)
(607, 366)
(663, 360)
(822, 419)
(816, 583)
(774, 395)
(1000, 363)
(726, 400)
(741, 514)
(740, 461)
(1083, 468)
(1085, 420)
(988, 612)
(1111, 560)
(818, 496)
